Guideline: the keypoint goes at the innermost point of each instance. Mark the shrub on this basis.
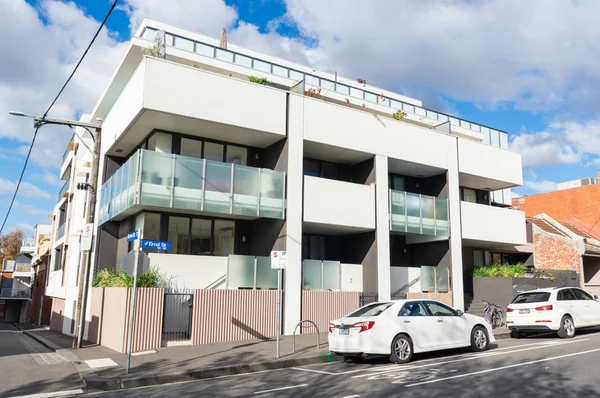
(502, 270)
(110, 278)
(258, 80)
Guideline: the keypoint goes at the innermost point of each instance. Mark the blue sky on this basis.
(491, 62)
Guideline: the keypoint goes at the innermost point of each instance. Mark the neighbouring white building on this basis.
(69, 217)
(227, 170)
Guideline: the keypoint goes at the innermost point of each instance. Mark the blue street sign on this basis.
(156, 244)
(132, 236)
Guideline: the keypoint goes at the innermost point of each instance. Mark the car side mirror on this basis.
(459, 313)
(596, 297)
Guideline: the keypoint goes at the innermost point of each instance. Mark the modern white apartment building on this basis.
(228, 170)
(67, 225)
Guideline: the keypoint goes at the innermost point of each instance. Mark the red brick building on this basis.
(577, 206)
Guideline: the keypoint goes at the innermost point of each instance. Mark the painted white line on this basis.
(315, 371)
(281, 389)
(504, 367)
(398, 368)
(52, 394)
(351, 396)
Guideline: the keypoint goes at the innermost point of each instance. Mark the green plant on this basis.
(109, 278)
(153, 51)
(258, 80)
(399, 115)
(502, 270)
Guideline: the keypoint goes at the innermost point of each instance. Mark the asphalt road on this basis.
(27, 367)
(534, 367)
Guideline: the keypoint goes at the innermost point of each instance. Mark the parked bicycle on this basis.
(494, 315)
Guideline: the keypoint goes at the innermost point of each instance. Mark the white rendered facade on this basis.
(324, 172)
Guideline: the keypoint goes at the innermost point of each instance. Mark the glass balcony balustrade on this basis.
(418, 214)
(187, 183)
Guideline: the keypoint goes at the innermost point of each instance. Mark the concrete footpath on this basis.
(101, 368)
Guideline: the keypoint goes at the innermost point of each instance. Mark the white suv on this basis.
(561, 309)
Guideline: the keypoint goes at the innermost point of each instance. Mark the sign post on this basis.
(133, 236)
(279, 261)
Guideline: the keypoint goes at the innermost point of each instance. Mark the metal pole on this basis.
(39, 323)
(136, 262)
(278, 309)
(83, 283)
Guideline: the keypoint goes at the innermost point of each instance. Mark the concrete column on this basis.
(293, 237)
(456, 271)
(382, 234)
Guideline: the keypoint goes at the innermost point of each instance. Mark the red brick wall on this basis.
(566, 205)
(553, 252)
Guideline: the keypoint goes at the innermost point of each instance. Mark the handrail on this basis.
(316, 327)
(409, 284)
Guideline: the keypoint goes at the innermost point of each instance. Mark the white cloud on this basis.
(33, 210)
(50, 178)
(26, 190)
(540, 186)
(544, 148)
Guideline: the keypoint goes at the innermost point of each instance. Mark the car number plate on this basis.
(523, 311)
(344, 332)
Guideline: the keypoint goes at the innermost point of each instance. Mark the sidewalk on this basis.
(172, 364)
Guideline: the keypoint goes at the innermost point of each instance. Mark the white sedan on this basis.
(562, 310)
(399, 329)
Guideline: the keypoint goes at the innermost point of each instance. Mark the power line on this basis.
(50, 107)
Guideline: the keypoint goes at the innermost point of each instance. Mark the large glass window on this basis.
(224, 236)
(311, 167)
(160, 142)
(213, 151)
(179, 235)
(469, 195)
(201, 234)
(191, 148)
(237, 155)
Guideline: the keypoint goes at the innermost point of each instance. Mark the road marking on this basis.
(351, 396)
(140, 353)
(504, 367)
(397, 368)
(53, 394)
(316, 371)
(280, 389)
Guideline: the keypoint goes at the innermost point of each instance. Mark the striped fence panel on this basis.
(147, 326)
(233, 315)
(323, 306)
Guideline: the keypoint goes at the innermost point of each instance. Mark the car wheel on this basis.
(567, 328)
(479, 339)
(518, 335)
(402, 349)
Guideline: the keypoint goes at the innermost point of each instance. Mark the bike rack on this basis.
(316, 327)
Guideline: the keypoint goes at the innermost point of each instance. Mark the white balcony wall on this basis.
(190, 272)
(339, 203)
(187, 91)
(493, 225)
(402, 277)
(126, 109)
(363, 131)
(351, 278)
(491, 163)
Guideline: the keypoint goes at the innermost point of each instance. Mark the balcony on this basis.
(332, 87)
(418, 214)
(23, 271)
(27, 245)
(60, 231)
(168, 96)
(192, 185)
(21, 293)
(338, 205)
(64, 190)
(489, 226)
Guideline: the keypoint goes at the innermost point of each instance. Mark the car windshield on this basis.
(525, 298)
(370, 310)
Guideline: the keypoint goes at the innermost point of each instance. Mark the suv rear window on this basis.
(370, 310)
(525, 298)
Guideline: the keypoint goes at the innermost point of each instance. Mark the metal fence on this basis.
(177, 315)
(368, 298)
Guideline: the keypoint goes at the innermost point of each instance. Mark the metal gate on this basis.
(177, 314)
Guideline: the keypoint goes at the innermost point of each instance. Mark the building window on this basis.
(191, 148)
(322, 169)
(237, 155)
(201, 236)
(179, 235)
(224, 234)
(397, 183)
(469, 195)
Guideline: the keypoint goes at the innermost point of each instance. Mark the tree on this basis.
(10, 245)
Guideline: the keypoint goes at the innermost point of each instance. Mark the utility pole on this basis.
(83, 277)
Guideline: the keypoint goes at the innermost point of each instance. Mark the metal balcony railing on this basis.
(64, 189)
(60, 231)
(23, 293)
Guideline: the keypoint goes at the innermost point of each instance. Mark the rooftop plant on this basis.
(258, 80)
